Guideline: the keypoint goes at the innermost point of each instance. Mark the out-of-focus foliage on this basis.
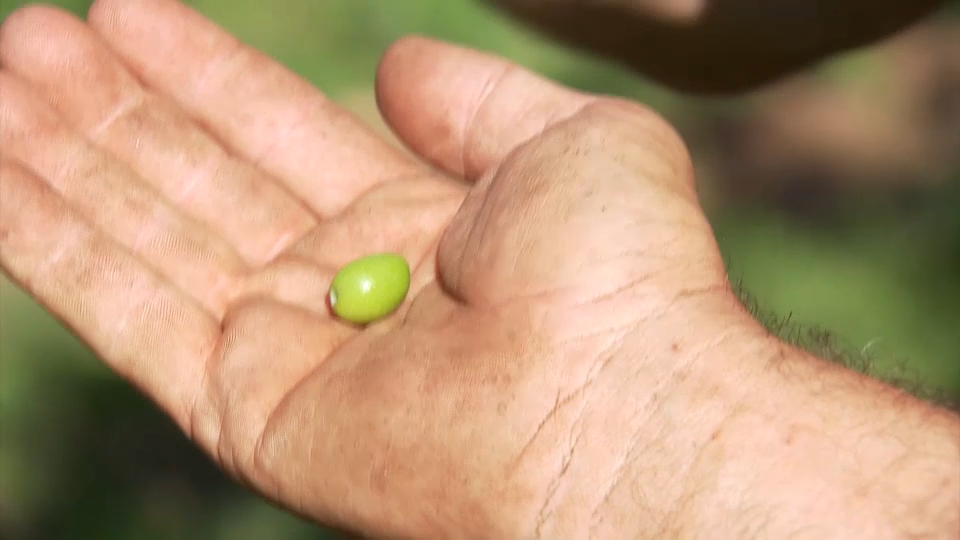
(822, 205)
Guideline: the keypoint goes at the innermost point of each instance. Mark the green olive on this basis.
(370, 288)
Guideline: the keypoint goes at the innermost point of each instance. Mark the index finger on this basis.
(252, 104)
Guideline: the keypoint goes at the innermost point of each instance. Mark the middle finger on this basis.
(259, 109)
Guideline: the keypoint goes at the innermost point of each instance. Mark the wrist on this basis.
(659, 400)
(818, 451)
(670, 459)
(728, 432)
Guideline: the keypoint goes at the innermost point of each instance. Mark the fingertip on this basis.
(107, 15)
(102, 13)
(31, 25)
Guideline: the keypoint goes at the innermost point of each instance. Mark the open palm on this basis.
(181, 202)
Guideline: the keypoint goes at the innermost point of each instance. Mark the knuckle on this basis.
(660, 146)
(650, 125)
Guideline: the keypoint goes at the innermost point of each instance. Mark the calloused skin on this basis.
(570, 363)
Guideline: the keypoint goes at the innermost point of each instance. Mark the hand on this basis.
(181, 202)
(719, 46)
(570, 363)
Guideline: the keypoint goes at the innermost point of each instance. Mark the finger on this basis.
(405, 218)
(257, 108)
(140, 324)
(293, 280)
(110, 196)
(98, 97)
(464, 110)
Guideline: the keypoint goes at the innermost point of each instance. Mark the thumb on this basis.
(463, 110)
(577, 197)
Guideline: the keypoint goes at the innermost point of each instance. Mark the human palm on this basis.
(182, 202)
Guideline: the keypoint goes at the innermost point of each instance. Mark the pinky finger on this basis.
(142, 326)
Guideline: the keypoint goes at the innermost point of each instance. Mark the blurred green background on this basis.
(835, 196)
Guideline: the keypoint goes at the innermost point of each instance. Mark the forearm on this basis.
(798, 448)
(718, 46)
(821, 452)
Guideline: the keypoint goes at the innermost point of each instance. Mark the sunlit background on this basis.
(835, 196)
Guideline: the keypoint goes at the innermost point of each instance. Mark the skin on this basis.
(718, 46)
(570, 363)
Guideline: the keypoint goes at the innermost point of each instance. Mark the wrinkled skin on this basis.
(181, 202)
